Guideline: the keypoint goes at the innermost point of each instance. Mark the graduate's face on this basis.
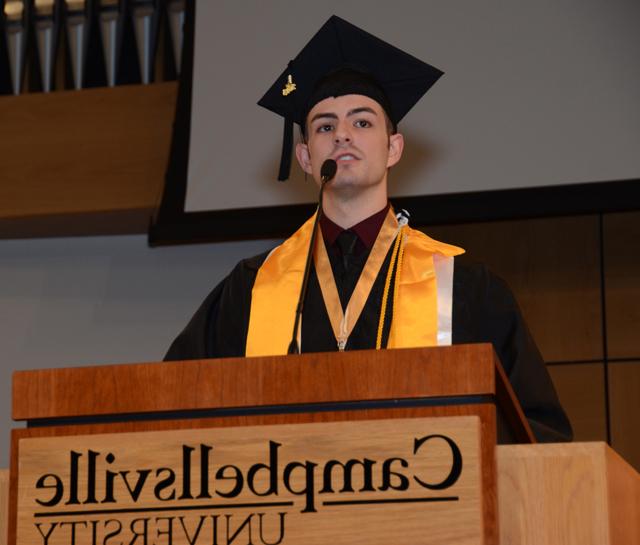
(352, 130)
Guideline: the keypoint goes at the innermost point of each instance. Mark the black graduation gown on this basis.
(484, 310)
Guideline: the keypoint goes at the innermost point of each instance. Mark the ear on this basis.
(396, 145)
(303, 156)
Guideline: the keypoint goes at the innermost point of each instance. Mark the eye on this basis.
(325, 128)
(362, 124)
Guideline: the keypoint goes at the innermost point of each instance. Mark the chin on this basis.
(345, 182)
(348, 177)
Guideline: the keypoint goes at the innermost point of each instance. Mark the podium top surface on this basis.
(460, 370)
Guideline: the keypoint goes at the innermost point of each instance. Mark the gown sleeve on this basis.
(219, 327)
(195, 340)
(485, 310)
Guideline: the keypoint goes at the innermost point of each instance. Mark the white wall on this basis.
(98, 300)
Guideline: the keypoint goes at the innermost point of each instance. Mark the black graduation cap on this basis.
(343, 59)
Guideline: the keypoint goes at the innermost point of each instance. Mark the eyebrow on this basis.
(355, 111)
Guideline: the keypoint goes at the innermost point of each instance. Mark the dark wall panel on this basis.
(581, 391)
(552, 265)
(622, 281)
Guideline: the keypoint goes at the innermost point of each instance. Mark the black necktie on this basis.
(347, 242)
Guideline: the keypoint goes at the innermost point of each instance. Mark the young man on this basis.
(375, 282)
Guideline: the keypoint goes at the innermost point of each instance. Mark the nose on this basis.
(342, 134)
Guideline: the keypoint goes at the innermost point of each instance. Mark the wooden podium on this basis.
(207, 437)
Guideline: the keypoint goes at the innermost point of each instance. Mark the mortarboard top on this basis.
(383, 72)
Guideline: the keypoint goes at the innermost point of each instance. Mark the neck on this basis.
(347, 210)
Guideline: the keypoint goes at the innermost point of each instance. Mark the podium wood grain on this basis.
(364, 514)
(567, 494)
(486, 413)
(240, 382)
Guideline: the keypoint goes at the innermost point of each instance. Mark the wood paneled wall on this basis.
(577, 280)
(84, 162)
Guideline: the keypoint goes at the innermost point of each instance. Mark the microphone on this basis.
(327, 173)
(328, 170)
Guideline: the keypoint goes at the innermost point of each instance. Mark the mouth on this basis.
(345, 158)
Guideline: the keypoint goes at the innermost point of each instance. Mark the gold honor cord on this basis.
(343, 322)
(396, 260)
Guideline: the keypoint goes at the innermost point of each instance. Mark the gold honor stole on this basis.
(422, 296)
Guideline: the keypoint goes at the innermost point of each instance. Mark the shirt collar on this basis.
(367, 230)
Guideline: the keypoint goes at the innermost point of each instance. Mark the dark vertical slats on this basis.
(95, 72)
(163, 65)
(5, 67)
(128, 65)
(165, 44)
